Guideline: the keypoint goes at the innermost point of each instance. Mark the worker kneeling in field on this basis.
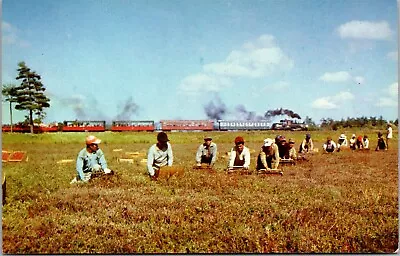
(290, 153)
(381, 143)
(306, 145)
(207, 152)
(90, 159)
(366, 142)
(268, 158)
(240, 155)
(359, 142)
(329, 146)
(159, 155)
(342, 142)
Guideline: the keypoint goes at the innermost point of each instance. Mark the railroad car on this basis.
(24, 128)
(48, 128)
(17, 128)
(84, 126)
(187, 125)
(233, 125)
(120, 126)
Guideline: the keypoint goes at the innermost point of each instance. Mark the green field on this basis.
(345, 202)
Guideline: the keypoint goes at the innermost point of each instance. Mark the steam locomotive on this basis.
(163, 125)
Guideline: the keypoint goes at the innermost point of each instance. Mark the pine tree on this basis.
(30, 93)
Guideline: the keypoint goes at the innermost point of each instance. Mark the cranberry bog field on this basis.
(345, 202)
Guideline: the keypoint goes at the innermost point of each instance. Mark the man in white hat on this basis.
(268, 158)
(342, 142)
(90, 159)
(207, 152)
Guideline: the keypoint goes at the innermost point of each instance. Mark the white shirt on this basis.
(366, 143)
(157, 158)
(389, 133)
(329, 145)
(245, 154)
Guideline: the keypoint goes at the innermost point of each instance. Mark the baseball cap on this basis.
(162, 137)
(268, 142)
(92, 140)
(342, 136)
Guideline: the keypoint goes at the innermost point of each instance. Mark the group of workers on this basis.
(91, 159)
(358, 142)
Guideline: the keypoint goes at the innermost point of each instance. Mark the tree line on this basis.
(371, 122)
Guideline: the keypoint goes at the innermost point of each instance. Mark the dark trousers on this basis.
(260, 164)
(206, 160)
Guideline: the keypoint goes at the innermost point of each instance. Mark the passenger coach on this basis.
(187, 125)
(227, 125)
(121, 126)
(84, 126)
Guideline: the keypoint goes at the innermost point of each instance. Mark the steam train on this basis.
(163, 125)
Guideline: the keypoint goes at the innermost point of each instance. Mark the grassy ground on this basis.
(342, 202)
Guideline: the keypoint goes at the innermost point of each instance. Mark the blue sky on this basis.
(154, 60)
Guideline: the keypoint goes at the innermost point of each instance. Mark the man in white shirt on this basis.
(207, 152)
(159, 155)
(240, 154)
(389, 134)
(329, 146)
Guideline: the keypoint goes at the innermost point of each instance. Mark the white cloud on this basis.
(201, 82)
(393, 55)
(323, 103)
(390, 98)
(332, 102)
(359, 79)
(357, 29)
(386, 102)
(10, 37)
(342, 96)
(341, 77)
(336, 77)
(256, 59)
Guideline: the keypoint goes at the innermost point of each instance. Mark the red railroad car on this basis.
(84, 126)
(24, 128)
(121, 126)
(187, 125)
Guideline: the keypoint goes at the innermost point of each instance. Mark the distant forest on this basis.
(363, 122)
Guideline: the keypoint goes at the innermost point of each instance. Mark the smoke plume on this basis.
(77, 103)
(243, 114)
(215, 111)
(128, 109)
(281, 112)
